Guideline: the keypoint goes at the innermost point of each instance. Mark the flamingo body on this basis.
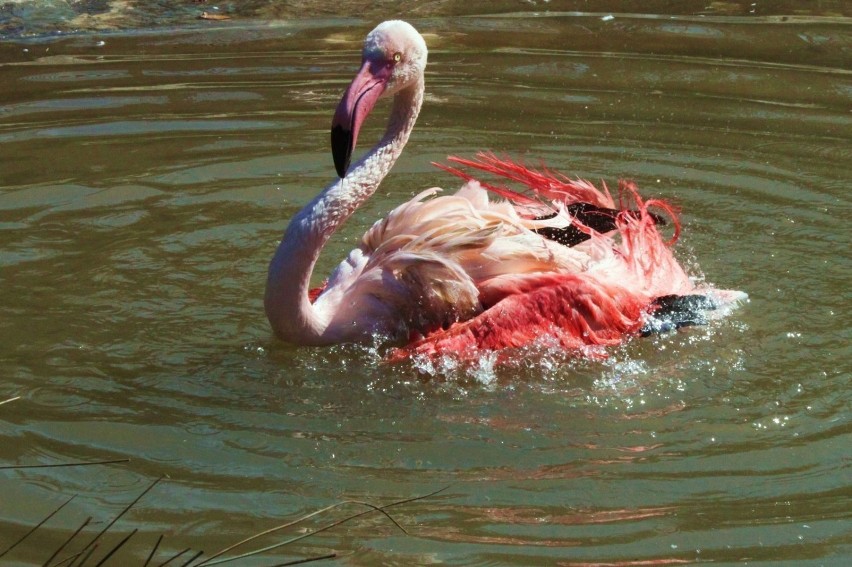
(486, 268)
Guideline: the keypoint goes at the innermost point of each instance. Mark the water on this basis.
(146, 176)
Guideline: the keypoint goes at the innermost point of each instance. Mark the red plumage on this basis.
(576, 310)
(589, 308)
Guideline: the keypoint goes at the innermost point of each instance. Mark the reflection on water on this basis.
(145, 182)
(35, 18)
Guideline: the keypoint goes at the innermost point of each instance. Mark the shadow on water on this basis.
(150, 161)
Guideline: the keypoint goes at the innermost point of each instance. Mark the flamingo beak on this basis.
(357, 102)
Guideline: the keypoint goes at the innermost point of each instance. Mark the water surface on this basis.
(146, 177)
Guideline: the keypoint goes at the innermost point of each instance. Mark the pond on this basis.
(148, 168)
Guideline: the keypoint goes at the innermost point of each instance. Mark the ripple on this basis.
(146, 183)
(132, 128)
(75, 75)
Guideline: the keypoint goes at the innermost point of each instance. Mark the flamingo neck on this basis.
(292, 316)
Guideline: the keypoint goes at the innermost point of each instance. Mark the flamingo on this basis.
(486, 268)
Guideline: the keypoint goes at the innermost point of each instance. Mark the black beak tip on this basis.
(341, 149)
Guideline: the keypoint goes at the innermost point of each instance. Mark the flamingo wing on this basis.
(598, 303)
(463, 273)
(577, 310)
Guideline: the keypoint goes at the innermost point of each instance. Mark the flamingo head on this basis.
(394, 58)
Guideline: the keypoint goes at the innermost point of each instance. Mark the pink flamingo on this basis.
(461, 273)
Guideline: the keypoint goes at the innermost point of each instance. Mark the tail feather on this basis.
(645, 217)
(543, 182)
(504, 192)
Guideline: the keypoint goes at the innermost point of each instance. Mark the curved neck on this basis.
(288, 308)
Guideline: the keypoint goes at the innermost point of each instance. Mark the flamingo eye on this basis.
(397, 57)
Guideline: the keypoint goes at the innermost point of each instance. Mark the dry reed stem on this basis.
(93, 543)
(81, 557)
(173, 557)
(153, 551)
(77, 464)
(116, 548)
(306, 560)
(209, 561)
(37, 526)
(193, 558)
(67, 541)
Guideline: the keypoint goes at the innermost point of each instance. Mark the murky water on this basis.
(145, 179)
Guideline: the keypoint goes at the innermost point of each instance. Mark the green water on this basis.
(146, 177)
